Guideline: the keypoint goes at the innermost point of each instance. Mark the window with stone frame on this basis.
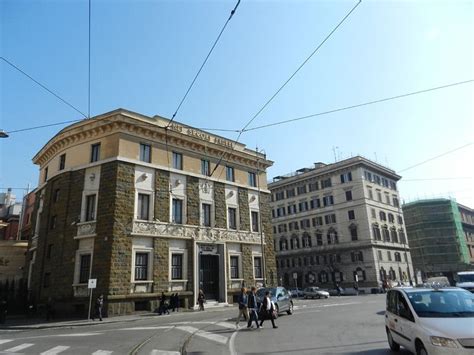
(380, 255)
(389, 255)
(295, 243)
(145, 153)
(313, 186)
(360, 274)
(326, 183)
(391, 218)
(177, 266)
(376, 232)
(317, 221)
(177, 161)
(332, 237)
(357, 256)
(57, 194)
(383, 216)
(346, 177)
(305, 223)
(205, 167)
(257, 267)
(394, 235)
(206, 214)
(141, 266)
(386, 234)
(95, 152)
(353, 232)
(349, 195)
(232, 217)
(52, 222)
(306, 240)
(84, 268)
(323, 277)
(252, 179)
(303, 206)
(328, 200)
(230, 174)
(400, 219)
(395, 201)
(315, 203)
(234, 267)
(47, 280)
(351, 214)
(255, 221)
(90, 207)
(398, 256)
(177, 211)
(283, 244)
(301, 189)
(290, 192)
(143, 208)
(371, 194)
(319, 238)
(403, 239)
(62, 161)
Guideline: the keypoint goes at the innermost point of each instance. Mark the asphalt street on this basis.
(339, 325)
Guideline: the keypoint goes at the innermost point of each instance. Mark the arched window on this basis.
(310, 278)
(295, 242)
(360, 274)
(332, 236)
(401, 233)
(386, 234)
(283, 244)
(398, 257)
(306, 240)
(353, 232)
(376, 232)
(323, 277)
(383, 274)
(392, 275)
(394, 235)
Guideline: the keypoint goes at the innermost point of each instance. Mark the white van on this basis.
(466, 280)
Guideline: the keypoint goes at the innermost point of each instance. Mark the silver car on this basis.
(315, 292)
(430, 320)
(280, 296)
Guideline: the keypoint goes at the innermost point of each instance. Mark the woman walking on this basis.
(268, 309)
(201, 300)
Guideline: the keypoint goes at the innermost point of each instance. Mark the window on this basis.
(50, 251)
(255, 221)
(394, 235)
(141, 266)
(373, 213)
(280, 195)
(323, 277)
(177, 161)
(379, 252)
(398, 257)
(301, 189)
(330, 218)
(232, 217)
(387, 199)
(386, 234)
(306, 241)
(295, 243)
(95, 152)
(303, 206)
(328, 200)
(62, 161)
(389, 255)
(283, 244)
(368, 176)
(383, 216)
(257, 267)
(391, 218)
(84, 266)
(402, 236)
(351, 214)
(379, 196)
(319, 239)
(346, 177)
(371, 194)
(317, 221)
(357, 256)
(47, 280)
(395, 201)
(234, 267)
(90, 208)
(56, 195)
(45, 174)
(326, 183)
(353, 231)
(313, 186)
(290, 193)
(315, 203)
(229, 174)
(400, 219)
(376, 231)
(143, 210)
(177, 211)
(145, 153)
(52, 224)
(348, 195)
(252, 179)
(177, 266)
(332, 237)
(205, 167)
(206, 214)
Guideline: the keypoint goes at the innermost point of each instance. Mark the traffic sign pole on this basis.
(91, 285)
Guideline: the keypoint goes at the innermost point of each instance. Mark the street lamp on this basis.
(3, 134)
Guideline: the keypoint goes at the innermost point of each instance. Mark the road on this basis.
(339, 325)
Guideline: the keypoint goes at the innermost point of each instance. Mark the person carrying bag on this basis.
(268, 309)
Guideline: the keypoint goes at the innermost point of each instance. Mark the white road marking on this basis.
(147, 328)
(102, 352)
(3, 341)
(77, 335)
(55, 350)
(232, 343)
(164, 352)
(18, 348)
(207, 335)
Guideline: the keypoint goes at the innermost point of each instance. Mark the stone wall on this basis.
(161, 264)
(270, 258)
(247, 265)
(162, 195)
(244, 210)
(192, 198)
(220, 205)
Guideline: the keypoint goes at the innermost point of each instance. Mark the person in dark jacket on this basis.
(268, 309)
(243, 309)
(201, 299)
(252, 307)
(163, 306)
(99, 306)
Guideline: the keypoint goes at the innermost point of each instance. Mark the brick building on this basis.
(338, 223)
(143, 209)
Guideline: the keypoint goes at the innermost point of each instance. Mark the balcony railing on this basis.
(86, 229)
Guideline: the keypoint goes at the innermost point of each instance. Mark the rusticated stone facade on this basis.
(244, 210)
(192, 194)
(220, 206)
(162, 195)
(270, 262)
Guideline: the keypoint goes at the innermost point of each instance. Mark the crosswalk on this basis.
(196, 329)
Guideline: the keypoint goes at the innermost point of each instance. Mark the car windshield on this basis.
(466, 278)
(442, 303)
(261, 291)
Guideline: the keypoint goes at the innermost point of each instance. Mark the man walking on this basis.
(99, 305)
(252, 307)
(243, 310)
(268, 309)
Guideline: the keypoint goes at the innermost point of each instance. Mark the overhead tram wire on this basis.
(287, 81)
(359, 105)
(44, 87)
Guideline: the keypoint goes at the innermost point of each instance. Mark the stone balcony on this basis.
(198, 233)
(86, 229)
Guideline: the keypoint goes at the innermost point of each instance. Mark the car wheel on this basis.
(420, 349)
(290, 309)
(393, 345)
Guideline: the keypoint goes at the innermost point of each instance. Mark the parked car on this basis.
(315, 292)
(430, 320)
(296, 292)
(280, 296)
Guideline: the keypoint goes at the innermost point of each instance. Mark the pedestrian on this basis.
(176, 301)
(99, 305)
(49, 309)
(338, 289)
(163, 307)
(268, 309)
(356, 287)
(243, 309)
(252, 307)
(3, 310)
(384, 285)
(172, 302)
(201, 299)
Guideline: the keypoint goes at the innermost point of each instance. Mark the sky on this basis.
(144, 55)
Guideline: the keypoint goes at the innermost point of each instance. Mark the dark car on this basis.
(280, 296)
(296, 292)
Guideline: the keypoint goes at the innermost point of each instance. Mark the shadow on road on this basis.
(381, 313)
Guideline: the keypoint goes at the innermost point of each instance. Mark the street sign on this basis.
(92, 283)
(295, 275)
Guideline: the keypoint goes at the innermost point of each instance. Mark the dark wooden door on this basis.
(210, 276)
